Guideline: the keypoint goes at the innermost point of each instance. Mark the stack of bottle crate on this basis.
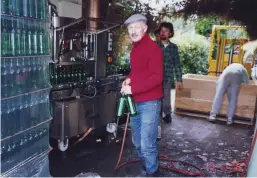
(25, 83)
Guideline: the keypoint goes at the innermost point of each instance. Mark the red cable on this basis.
(251, 150)
(161, 157)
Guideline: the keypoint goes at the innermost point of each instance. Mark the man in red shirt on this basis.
(144, 83)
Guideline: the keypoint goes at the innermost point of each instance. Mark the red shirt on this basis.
(146, 61)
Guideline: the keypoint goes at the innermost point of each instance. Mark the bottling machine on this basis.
(83, 97)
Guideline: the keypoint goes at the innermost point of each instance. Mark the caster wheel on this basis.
(111, 128)
(63, 145)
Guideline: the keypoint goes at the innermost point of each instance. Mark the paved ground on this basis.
(189, 139)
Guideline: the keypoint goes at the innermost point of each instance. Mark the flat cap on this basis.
(135, 18)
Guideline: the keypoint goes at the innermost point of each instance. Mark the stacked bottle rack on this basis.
(25, 83)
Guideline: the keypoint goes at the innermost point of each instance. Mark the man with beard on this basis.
(171, 65)
(144, 83)
(157, 34)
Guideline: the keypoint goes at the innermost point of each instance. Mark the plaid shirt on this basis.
(172, 63)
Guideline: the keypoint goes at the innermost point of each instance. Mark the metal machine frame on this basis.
(217, 65)
(81, 106)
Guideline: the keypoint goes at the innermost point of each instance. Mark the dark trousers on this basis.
(166, 104)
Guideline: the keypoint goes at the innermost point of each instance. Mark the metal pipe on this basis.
(93, 11)
(107, 29)
(95, 56)
(71, 24)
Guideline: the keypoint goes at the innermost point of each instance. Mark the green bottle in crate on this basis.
(11, 7)
(18, 8)
(29, 74)
(46, 39)
(18, 38)
(4, 37)
(11, 78)
(40, 39)
(25, 8)
(34, 74)
(23, 37)
(4, 6)
(29, 40)
(18, 76)
(31, 8)
(42, 9)
(12, 51)
(34, 37)
(4, 78)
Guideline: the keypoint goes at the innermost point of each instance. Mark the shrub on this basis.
(193, 52)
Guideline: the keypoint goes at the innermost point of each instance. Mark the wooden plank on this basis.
(186, 92)
(200, 77)
(206, 90)
(244, 111)
(205, 116)
(199, 92)
(241, 99)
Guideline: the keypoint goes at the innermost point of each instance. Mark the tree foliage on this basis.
(121, 39)
(243, 11)
(203, 25)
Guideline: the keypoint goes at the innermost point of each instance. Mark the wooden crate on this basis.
(197, 96)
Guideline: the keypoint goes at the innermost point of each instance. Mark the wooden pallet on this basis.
(198, 93)
(182, 112)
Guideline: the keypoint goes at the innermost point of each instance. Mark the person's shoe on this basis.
(156, 174)
(211, 118)
(159, 137)
(142, 172)
(229, 121)
(167, 119)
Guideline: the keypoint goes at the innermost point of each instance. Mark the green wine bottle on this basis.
(25, 8)
(4, 6)
(40, 39)
(121, 106)
(18, 7)
(34, 37)
(131, 105)
(11, 7)
(23, 38)
(43, 9)
(29, 38)
(4, 38)
(12, 38)
(18, 38)
(31, 8)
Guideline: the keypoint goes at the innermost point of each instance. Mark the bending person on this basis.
(229, 82)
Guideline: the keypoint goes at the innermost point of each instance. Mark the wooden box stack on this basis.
(197, 96)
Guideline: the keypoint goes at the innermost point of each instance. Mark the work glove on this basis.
(126, 82)
(126, 90)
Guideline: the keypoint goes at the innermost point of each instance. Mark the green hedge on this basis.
(193, 52)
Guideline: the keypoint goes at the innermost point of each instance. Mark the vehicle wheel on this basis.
(63, 145)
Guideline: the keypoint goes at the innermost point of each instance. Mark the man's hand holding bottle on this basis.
(126, 89)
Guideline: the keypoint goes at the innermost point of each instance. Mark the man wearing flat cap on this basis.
(144, 83)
